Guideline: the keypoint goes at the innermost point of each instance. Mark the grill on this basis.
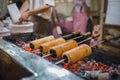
(99, 65)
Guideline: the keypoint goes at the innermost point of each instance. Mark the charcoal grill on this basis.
(97, 55)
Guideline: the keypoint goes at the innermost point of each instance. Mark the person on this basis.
(40, 12)
(80, 16)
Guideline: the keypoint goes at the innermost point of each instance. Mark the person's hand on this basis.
(24, 16)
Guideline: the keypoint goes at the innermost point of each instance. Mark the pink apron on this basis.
(80, 19)
(66, 26)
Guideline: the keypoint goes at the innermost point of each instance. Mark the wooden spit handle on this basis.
(92, 37)
(108, 38)
(87, 34)
(84, 35)
(74, 33)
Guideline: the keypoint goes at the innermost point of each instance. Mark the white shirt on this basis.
(38, 3)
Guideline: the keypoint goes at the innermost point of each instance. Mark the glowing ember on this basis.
(49, 58)
(28, 49)
(65, 65)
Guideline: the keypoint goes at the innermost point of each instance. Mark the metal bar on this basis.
(60, 61)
